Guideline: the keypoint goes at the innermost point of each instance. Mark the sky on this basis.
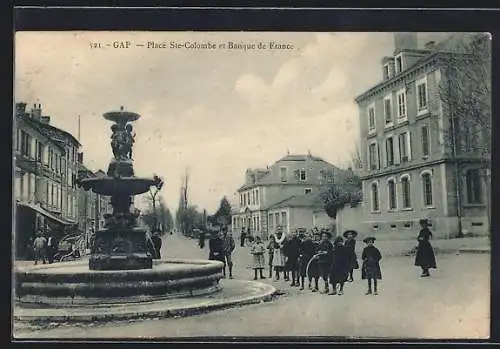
(210, 112)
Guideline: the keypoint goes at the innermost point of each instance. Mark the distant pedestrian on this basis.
(340, 266)
(257, 250)
(51, 248)
(292, 253)
(216, 246)
(425, 257)
(271, 247)
(325, 258)
(242, 237)
(40, 248)
(157, 242)
(350, 245)
(371, 265)
(279, 256)
(229, 246)
(201, 239)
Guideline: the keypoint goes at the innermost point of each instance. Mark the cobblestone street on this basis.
(452, 303)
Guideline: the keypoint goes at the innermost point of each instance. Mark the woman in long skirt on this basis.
(257, 250)
(425, 257)
(340, 266)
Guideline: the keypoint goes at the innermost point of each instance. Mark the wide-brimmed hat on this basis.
(353, 232)
(368, 239)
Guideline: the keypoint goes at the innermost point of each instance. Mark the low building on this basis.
(283, 183)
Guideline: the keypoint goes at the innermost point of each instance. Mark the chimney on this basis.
(20, 108)
(36, 112)
(405, 40)
(431, 45)
(45, 120)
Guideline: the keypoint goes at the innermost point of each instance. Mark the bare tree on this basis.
(465, 93)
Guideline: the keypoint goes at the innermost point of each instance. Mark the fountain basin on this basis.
(72, 283)
(121, 117)
(124, 185)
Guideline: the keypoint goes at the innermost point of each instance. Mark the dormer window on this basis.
(386, 71)
(399, 64)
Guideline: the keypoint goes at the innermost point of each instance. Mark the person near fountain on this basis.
(257, 250)
(156, 238)
(341, 263)
(292, 253)
(201, 238)
(370, 270)
(425, 257)
(40, 248)
(229, 246)
(350, 244)
(216, 247)
(325, 251)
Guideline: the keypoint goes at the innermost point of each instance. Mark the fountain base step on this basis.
(134, 261)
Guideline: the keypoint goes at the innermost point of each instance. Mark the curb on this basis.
(474, 251)
(169, 312)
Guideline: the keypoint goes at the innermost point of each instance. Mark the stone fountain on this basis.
(121, 280)
(120, 268)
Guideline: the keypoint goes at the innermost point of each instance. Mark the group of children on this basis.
(311, 256)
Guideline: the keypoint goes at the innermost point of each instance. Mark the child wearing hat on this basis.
(325, 251)
(340, 266)
(425, 257)
(371, 265)
(350, 245)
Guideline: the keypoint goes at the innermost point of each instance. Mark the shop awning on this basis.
(44, 213)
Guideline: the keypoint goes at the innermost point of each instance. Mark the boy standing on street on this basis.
(325, 256)
(371, 265)
(40, 247)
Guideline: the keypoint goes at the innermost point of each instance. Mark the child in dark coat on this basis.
(325, 251)
(314, 272)
(292, 253)
(350, 245)
(306, 253)
(340, 266)
(371, 265)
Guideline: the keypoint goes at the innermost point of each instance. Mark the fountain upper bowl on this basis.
(118, 186)
(121, 116)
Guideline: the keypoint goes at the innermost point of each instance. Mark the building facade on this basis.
(39, 179)
(281, 194)
(412, 167)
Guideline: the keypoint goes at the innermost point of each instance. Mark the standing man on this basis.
(229, 246)
(40, 247)
(292, 253)
(216, 246)
(156, 238)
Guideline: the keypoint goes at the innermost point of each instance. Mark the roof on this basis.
(447, 47)
(36, 126)
(49, 128)
(289, 157)
(306, 200)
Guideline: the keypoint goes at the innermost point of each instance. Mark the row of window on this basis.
(34, 149)
(301, 174)
(277, 219)
(400, 151)
(250, 197)
(426, 185)
(401, 106)
(242, 222)
(474, 191)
